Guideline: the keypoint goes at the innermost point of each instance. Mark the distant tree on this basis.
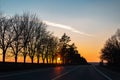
(47, 46)
(73, 57)
(82, 60)
(32, 46)
(6, 34)
(40, 33)
(64, 40)
(43, 53)
(34, 38)
(71, 53)
(44, 45)
(17, 28)
(44, 40)
(52, 48)
(27, 23)
(111, 50)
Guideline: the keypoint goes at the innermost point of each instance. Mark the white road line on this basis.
(108, 78)
(55, 78)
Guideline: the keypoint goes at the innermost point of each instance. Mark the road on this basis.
(82, 72)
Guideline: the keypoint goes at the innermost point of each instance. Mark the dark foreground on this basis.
(11, 66)
(81, 72)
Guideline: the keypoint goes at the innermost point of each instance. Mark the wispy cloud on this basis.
(66, 27)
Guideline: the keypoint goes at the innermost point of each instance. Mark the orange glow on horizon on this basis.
(90, 51)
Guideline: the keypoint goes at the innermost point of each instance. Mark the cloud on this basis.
(66, 27)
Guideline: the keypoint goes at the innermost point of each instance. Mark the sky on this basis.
(89, 23)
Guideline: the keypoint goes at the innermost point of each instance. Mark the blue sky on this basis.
(63, 11)
(99, 18)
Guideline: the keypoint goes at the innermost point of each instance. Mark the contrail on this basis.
(65, 27)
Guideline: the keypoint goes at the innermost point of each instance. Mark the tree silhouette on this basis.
(71, 53)
(73, 57)
(34, 38)
(26, 22)
(44, 46)
(53, 48)
(40, 33)
(27, 35)
(63, 46)
(6, 34)
(111, 50)
(17, 45)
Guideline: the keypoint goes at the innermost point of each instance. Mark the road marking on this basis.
(108, 78)
(55, 78)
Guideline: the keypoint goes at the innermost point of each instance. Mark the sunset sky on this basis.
(89, 23)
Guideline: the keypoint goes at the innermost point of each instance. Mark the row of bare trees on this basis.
(27, 35)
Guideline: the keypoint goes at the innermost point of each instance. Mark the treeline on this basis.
(26, 35)
(111, 50)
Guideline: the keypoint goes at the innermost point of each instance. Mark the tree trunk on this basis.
(46, 55)
(16, 52)
(43, 59)
(38, 57)
(16, 58)
(47, 59)
(25, 54)
(32, 59)
(24, 58)
(52, 59)
(3, 56)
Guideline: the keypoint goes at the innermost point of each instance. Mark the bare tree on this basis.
(35, 39)
(40, 33)
(44, 47)
(47, 47)
(53, 44)
(27, 23)
(43, 53)
(32, 44)
(6, 34)
(31, 50)
(17, 33)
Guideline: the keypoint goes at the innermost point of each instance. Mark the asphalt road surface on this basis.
(81, 72)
